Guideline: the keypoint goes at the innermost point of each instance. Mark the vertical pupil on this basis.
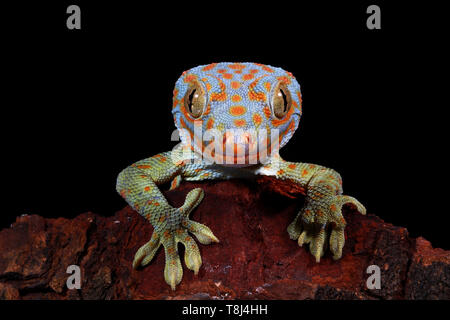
(191, 97)
(284, 100)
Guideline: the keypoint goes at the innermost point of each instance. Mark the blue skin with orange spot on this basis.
(253, 83)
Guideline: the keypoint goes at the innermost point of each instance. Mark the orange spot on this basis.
(147, 188)
(221, 71)
(280, 172)
(291, 126)
(264, 67)
(190, 77)
(292, 166)
(267, 112)
(222, 95)
(267, 85)
(252, 94)
(304, 172)
(236, 98)
(208, 110)
(257, 119)
(166, 234)
(209, 67)
(170, 250)
(247, 76)
(183, 124)
(235, 85)
(239, 122)
(236, 66)
(254, 71)
(208, 86)
(187, 239)
(238, 71)
(175, 102)
(284, 79)
(160, 157)
(227, 76)
(156, 204)
(149, 202)
(210, 123)
(256, 96)
(237, 110)
(333, 207)
(144, 166)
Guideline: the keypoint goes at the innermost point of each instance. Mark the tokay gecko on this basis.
(232, 119)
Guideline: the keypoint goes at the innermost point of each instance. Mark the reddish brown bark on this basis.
(254, 260)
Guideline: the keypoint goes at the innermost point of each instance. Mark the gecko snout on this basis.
(239, 146)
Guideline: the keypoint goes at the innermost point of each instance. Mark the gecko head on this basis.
(236, 113)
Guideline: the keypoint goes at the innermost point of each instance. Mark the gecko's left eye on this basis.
(281, 101)
(195, 100)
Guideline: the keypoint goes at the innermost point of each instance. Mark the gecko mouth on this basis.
(241, 149)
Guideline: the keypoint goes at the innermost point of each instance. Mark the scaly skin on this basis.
(231, 96)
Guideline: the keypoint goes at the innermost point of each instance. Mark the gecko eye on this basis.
(195, 100)
(281, 102)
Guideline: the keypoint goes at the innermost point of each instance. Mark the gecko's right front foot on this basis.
(174, 228)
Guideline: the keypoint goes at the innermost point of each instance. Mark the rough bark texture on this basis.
(254, 260)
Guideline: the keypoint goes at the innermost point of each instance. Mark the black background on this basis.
(78, 106)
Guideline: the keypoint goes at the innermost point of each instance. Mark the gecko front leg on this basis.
(321, 217)
(137, 184)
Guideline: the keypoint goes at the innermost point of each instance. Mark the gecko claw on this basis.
(203, 234)
(146, 253)
(173, 275)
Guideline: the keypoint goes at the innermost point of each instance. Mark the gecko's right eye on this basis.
(282, 101)
(195, 100)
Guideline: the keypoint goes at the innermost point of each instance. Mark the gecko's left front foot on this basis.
(313, 223)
